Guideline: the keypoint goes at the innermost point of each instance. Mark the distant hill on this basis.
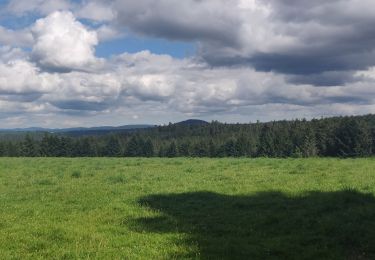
(78, 130)
(192, 122)
(351, 136)
(96, 130)
(29, 129)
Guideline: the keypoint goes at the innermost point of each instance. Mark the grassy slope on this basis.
(192, 208)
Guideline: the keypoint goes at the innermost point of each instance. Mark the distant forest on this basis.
(333, 137)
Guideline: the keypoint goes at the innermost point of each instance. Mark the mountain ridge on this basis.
(193, 122)
(76, 129)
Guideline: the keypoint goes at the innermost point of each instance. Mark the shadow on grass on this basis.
(337, 225)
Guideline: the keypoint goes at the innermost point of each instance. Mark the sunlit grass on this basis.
(192, 208)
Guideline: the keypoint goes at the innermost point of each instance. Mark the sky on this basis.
(68, 63)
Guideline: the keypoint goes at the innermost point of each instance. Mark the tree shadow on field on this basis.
(269, 225)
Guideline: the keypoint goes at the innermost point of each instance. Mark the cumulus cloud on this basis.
(186, 20)
(312, 41)
(192, 87)
(62, 43)
(288, 37)
(143, 83)
(8, 53)
(307, 39)
(85, 91)
(44, 7)
(15, 38)
(256, 59)
(19, 77)
(108, 33)
(100, 11)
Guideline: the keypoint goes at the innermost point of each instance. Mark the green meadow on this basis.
(187, 208)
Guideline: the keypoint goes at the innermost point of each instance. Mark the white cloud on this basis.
(15, 38)
(303, 38)
(145, 83)
(61, 77)
(107, 33)
(97, 11)
(85, 91)
(44, 7)
(23, 78)
(8, 53)
(62, 43)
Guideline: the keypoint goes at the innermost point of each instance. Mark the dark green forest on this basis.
(327, 137)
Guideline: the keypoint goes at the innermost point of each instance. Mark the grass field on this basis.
(187, 208)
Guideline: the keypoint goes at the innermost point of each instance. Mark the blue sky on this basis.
(66, 63)
(128, 43)
(133, 44)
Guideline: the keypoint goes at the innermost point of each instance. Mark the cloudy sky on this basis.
(66, 63)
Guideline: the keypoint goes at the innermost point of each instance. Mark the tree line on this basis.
(333, 137)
